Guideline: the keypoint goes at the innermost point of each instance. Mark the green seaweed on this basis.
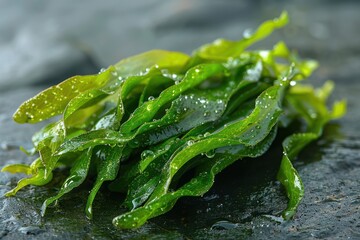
(145, 122)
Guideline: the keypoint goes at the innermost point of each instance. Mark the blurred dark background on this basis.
(44, 42)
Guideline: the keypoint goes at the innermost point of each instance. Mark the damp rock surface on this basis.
(64, 38)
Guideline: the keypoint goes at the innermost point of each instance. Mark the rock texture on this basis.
(44, 42)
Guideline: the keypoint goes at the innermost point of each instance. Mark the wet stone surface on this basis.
(245, 198)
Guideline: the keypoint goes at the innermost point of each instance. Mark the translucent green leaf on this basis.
(156, 58)
(311, 105)
(108, 167)
(77, 176)
(53, 100)
(197, 186)
(192, 78)
(38, 179)
(222, 49)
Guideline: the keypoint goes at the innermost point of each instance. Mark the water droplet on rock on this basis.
(223, 225)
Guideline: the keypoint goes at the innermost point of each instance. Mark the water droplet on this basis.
(147, 154)
(292, 83)
(223, 225)
(202, 100)
(190, 142)
(210, 154)
(211, 197)
(247, 33)
(31, 230)
(150, 98)
(59, 87)
(167, 147)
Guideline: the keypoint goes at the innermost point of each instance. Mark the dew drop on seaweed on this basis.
(147, 153)
(167, 147)
(247, 33)
(210, 154)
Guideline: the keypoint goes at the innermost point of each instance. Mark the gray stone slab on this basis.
(330, 170)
